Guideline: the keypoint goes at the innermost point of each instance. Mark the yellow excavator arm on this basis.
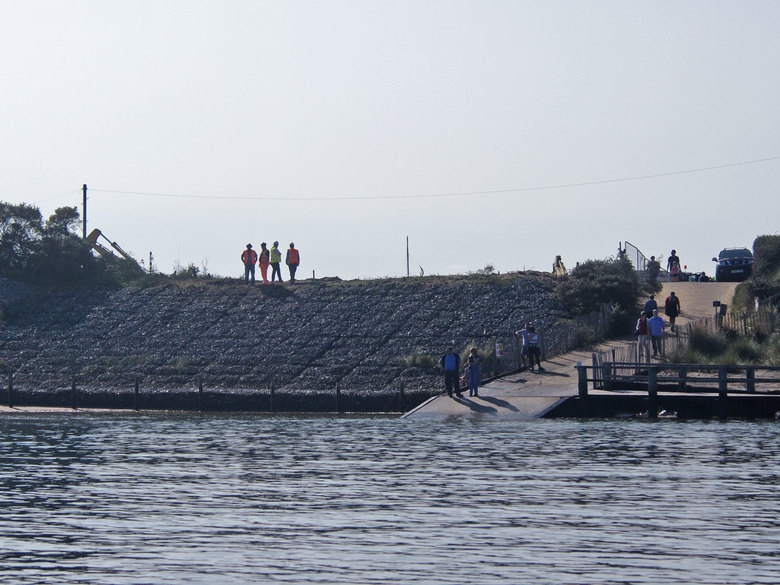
(92, 239)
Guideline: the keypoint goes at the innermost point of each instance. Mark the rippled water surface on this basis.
(120, 499)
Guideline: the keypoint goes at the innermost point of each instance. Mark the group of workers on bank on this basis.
(272, 258)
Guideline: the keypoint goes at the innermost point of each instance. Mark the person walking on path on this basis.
(673, 266)
(655, 324)
(653, 268)
(474, 371)
(249, 258)
(276, 258)
(292, 260)
(672, 309)
(534, 349)
(523, 336)
(650, 305)
(450, 363)
(642, 333)
(264, 261)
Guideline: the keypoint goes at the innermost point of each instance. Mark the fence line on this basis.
(627, 360)
(640, 262)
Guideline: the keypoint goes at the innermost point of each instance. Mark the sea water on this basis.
(165, 498)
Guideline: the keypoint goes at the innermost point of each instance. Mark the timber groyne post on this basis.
(582, 388)
(652, 392)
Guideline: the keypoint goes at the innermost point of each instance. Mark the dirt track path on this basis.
(696, 298)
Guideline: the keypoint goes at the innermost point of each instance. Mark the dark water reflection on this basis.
(238, 499)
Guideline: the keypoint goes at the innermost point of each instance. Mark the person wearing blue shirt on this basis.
(656, 326)
(450, 362)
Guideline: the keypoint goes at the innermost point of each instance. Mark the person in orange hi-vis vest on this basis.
(292, 261)
(249, 258)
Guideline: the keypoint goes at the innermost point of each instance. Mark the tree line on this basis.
(39, 251)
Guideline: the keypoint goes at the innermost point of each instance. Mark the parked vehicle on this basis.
(733, 264)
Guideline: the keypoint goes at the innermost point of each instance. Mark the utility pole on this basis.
(84, 215)
(407, 255)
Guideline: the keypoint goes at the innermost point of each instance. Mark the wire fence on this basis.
(642, 263)
(559, 338)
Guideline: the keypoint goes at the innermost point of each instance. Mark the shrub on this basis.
(486, 352)
(423, 361)
(771, 350)
(766, 256)
(706, 342)
(684, 354)
(190, 271)
(621, 321)
(742, 351)
(597, 282)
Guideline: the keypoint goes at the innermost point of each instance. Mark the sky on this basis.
(484, 132)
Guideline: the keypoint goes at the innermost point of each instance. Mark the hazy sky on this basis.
(488, 132)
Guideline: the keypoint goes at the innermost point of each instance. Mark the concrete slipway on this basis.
(523, 395)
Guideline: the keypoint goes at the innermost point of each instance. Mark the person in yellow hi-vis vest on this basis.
(276, 258)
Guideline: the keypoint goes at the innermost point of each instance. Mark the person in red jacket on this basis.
(249, 258)
(292, 261)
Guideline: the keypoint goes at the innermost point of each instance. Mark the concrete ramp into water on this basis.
(505, 407)
(522, 395)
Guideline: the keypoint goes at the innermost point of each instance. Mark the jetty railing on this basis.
(678, 379)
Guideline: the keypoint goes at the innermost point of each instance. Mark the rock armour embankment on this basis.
(312, 336)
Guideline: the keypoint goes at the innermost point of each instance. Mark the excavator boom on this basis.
(92, 239)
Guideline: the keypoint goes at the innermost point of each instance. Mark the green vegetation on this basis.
(750, 338)
(596, 283)
(706, 346)
(488, 354)
(429, 363)
(47, 252)
(765, 281)
(50, 252)
(422, 361)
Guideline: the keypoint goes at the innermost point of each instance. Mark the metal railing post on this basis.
(722, 392)
(582, 388)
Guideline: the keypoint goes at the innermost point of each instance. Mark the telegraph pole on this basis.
(407, 255)
(84, 222)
